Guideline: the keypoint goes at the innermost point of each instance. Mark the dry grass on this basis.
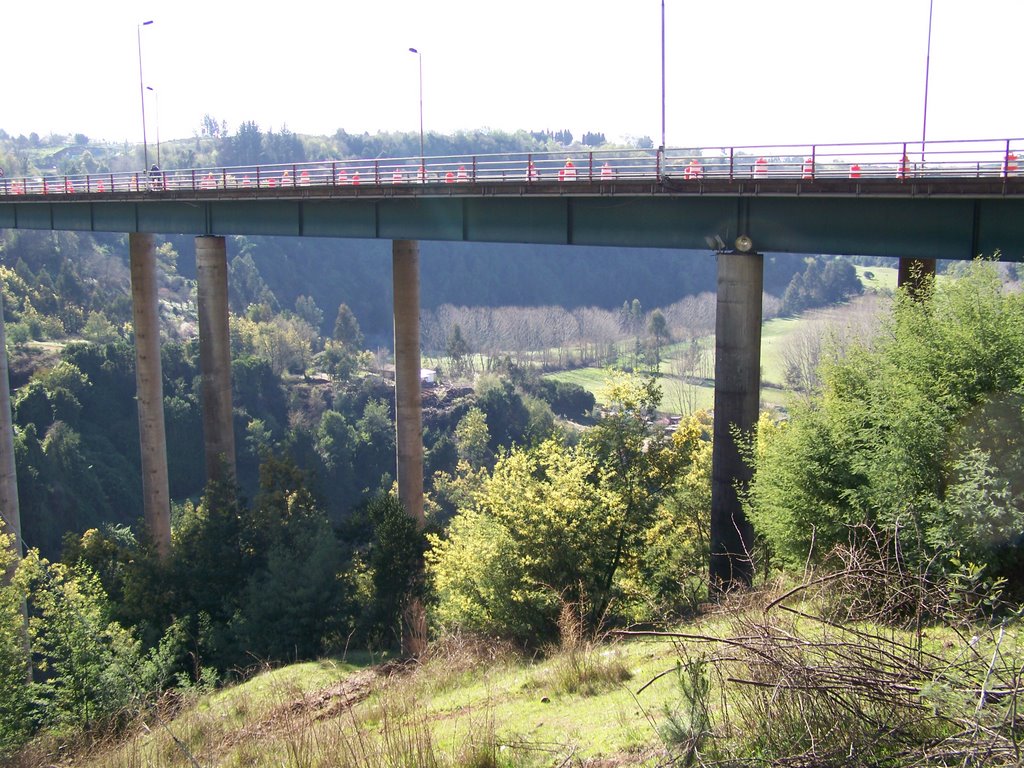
(848, 668)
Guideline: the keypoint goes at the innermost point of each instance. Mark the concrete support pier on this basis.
(9, 507)
(737, 396)
(914, 274)
(215, 357)
(150, 391)
(408, 412)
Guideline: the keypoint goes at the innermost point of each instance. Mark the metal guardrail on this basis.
(968, 159)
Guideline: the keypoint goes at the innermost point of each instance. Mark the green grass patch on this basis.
(878, 279)
(782, 683)
(594, 380)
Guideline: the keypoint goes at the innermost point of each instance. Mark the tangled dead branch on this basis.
(871, 664)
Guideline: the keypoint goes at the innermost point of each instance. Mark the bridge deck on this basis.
(955, 203)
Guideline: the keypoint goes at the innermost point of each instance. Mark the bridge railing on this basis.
(986, 158)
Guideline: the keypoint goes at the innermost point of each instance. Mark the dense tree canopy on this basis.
(917, 433)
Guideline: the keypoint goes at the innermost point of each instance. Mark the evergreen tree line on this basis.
(823, 282)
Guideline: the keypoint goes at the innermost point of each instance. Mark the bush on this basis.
(916, 434)
(15, 693)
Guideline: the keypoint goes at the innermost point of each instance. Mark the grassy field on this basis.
(881, 280)
(683, 397)
(717, 685)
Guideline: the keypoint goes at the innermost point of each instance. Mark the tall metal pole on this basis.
(156, 97)
(423, 171)
(927, 67)
(663, 75)
(142, 93)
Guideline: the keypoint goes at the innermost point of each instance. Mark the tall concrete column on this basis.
(405, 260)
(215, 357)
(737, 396)
(9, 508)
(914, 274)
(156, 497)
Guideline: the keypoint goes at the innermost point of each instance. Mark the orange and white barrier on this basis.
(606, 171)
(461, 175)
(808, 172)
(568, 173)
(693, 170)
(760, 167)
(855, 171)
(903, 169)
(1010, 165)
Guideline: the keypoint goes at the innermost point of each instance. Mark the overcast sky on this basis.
(738, 71)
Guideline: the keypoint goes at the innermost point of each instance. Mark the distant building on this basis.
(428, 376)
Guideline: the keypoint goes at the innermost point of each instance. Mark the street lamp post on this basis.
(142, 93)
(156, 97)
(662, 75)
(423, 170)
(927, 67)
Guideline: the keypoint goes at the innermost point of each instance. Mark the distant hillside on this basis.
(358, 273)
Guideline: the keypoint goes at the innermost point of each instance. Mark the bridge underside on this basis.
(918, 221)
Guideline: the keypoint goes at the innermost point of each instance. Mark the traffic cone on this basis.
(606, 171)
(1010, 165)
(304, 178)
(693, 170)
(449, 178)
(761, 167)
(342, 177)
(855, 171)
(903, 169)
(808, 168)
(355, 179)
(461, 175)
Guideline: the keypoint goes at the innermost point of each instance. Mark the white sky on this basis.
(738, 71)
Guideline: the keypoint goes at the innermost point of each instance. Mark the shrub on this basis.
(916, 433)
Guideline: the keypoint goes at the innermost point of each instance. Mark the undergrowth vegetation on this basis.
(924, 671)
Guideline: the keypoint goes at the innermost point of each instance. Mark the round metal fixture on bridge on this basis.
(744, 244)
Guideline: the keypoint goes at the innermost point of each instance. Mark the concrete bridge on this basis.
(944, 200)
